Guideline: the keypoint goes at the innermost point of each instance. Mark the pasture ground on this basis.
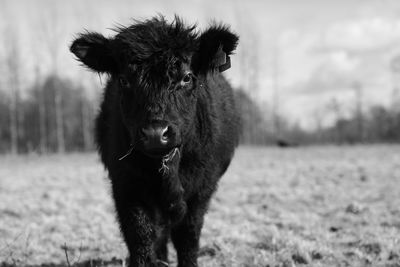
(312, 206)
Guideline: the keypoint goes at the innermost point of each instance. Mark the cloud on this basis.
(362, 34)
(335, 57)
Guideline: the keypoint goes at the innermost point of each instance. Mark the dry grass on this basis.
(315, 206)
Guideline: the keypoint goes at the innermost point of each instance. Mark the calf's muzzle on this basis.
(158, 138)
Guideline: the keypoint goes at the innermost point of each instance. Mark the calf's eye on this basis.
(123, 82)
(187, 78)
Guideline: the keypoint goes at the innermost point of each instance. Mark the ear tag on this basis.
(225, 66)
(222, 61)
(220, 57)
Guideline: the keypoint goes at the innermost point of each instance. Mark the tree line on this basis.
(373, 124)
(30, 123)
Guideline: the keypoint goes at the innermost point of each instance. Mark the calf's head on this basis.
(158, 70)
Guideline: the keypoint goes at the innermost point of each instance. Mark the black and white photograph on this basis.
(200, 133)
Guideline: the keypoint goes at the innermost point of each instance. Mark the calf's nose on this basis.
(155, 136)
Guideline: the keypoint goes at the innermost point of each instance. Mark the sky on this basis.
(296, 55)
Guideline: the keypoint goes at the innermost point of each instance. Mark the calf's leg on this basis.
(137, 229)
(161, 246)
(186, 235)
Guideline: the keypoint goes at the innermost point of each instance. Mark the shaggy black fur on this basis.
(164, 72)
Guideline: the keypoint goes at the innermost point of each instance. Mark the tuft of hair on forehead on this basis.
(156, 38)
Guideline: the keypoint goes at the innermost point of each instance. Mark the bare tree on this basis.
(318, 116)
(52, 32)
(359, 110)
(85, 119)
(249, 64)
(276, 98)
(42, 113)
(395, 72)
(12, 61)
(336, 109)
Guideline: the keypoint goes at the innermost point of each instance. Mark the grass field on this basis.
(314, 206)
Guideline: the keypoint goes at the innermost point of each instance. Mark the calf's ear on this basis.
(216, 44)
(95, 51)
